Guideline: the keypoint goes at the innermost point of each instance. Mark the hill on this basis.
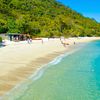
(46, 18)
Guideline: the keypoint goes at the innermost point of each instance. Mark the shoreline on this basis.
(37, 74)
(19, 74)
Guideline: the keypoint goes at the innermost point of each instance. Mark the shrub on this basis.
(0, 39)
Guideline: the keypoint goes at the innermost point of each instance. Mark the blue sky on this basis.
(89, 8)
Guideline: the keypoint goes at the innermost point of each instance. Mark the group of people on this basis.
(63, 41)
(29, 40)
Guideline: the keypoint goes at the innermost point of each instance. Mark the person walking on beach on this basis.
(29, 40)
(42, 41)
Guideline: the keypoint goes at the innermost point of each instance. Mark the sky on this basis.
(88, 8)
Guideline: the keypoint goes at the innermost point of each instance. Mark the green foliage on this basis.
(12, 27)
(0, 39)
(44, 18)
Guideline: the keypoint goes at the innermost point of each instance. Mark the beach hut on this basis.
(17, 37)
(13, 36)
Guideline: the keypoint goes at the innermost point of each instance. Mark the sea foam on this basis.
(22, 87)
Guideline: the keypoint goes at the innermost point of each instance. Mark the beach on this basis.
(20, 60)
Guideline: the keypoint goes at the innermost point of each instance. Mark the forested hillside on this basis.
(45, 18)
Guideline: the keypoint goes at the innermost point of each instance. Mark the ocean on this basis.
(72, 76)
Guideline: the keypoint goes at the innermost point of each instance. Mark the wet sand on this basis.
(20, 60)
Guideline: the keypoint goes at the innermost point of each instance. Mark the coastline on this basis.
(20, 69)
(24, 85)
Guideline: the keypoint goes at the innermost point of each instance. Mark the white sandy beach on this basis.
(19, 60)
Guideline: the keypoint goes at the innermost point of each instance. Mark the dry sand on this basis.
(19, 60)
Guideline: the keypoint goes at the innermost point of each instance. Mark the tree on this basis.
(47, 18)
(12, 27)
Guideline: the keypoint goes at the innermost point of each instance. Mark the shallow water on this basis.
(75, 76)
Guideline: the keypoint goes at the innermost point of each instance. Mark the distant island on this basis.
(44, 18)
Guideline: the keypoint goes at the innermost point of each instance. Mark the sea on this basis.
(74, 75)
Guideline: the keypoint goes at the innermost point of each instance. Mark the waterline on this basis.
(20, 89)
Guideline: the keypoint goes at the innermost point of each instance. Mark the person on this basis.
(42, 41)
(64, 43)
(28, 40)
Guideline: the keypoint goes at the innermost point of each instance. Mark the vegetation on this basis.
(0, 39)
(44, 18)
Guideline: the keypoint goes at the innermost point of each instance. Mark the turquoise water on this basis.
(73, 77)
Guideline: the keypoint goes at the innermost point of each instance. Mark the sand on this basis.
(20, 60)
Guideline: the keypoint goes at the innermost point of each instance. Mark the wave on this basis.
(40, 71)
(22, 87)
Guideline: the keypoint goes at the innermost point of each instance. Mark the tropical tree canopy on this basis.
(44, 18)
